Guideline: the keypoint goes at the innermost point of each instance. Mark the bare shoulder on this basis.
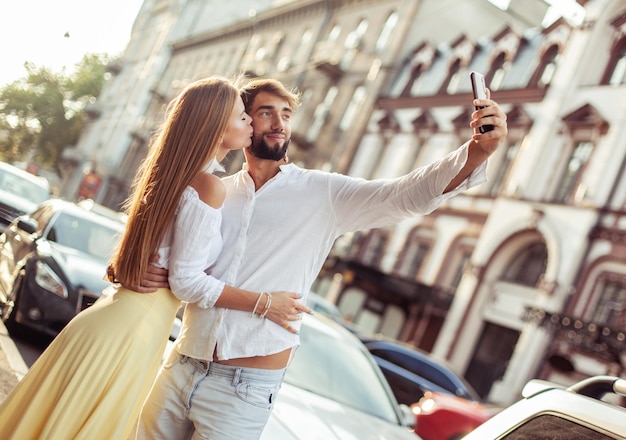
(210, 189)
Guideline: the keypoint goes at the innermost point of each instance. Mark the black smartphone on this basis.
(480, 92)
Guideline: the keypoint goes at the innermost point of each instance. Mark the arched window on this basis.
(353, 44)
(547, 66)
(572, 171)
(615, 73)
(386, 31)
(321, 113)
(504, 167)
(585, 126)
(414, 253)
(495, 76)
(452, 80)
(611, 307)
(416, 71)
(353, 108)
(528, 266)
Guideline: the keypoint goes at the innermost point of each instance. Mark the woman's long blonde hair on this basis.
(194, 125)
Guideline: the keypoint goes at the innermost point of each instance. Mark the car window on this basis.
(332, 368)
(405, 390)
(23, 188)
(548, 426)
(417, 366)
(78, 233)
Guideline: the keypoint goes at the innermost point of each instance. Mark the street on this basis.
(29, 344)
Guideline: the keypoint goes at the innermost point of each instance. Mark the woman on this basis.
(91, 381)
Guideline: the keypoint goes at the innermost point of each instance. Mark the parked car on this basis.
(52, 264)
(334, 390)
(432, 388)
(320, 304)
(550, 411)
(20, 193)
(412, 372)
(442, 416)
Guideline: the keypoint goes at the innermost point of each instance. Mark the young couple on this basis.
(264, 234)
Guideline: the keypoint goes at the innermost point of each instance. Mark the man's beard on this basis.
(260, 149)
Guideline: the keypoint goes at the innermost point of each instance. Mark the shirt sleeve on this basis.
(196, 226)
(362, 204)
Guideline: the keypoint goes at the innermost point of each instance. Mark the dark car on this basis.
(411, 372)
(445, 406)
(52, 264)
(587, 410)
(20, 193)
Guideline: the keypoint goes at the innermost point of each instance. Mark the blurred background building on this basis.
(524, 276)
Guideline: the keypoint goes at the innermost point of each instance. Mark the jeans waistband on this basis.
(235, 373)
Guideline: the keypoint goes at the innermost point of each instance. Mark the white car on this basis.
(549, 411)
(20, 193)
(334, 390)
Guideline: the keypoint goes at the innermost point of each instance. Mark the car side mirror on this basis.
(407, 416)
(27, 224)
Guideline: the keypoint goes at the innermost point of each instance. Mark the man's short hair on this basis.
(268, 85)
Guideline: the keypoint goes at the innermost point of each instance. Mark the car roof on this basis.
(405, 348)
(425, 358)
(544, 398)
(39, 180)
(80, 211)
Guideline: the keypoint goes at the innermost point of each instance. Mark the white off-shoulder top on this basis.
(191, 244)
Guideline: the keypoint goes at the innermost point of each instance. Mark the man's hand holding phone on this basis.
(480, 92)
(488, 120)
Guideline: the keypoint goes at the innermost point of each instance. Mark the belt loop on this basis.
(236, 376)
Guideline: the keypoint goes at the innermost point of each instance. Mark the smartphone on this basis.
(480, 92)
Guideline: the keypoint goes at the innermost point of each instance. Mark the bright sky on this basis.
(34, 30)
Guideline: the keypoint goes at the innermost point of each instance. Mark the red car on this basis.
(441, 416)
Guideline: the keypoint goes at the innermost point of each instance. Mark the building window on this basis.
(451, 82)
(416, 72)
(497, 72)
(299, 50)
(457, 274)
(528, 266)
(321, 113)
(276, 46)
(334, 33)
(611, 308)
(547, 66)
(412, 256)
(386, 31)
(355, 105)
(571, 174)
(353, 44)
(615, 73)
(373, 247)
(504, 168)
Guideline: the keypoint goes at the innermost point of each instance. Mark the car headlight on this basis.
(47, 279)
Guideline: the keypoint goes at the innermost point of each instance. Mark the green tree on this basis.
(44, 112)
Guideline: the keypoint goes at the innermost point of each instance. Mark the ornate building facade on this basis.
(523, 276)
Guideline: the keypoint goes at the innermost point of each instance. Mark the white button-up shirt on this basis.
(277, 239)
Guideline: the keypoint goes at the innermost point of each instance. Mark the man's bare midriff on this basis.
(274, 361)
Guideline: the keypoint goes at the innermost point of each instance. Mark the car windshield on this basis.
(95, 239)
(23, 188)
(337, 369)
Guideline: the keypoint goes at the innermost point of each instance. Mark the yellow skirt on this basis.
(91, 381)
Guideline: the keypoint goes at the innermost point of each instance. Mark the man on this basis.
(279, 224)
